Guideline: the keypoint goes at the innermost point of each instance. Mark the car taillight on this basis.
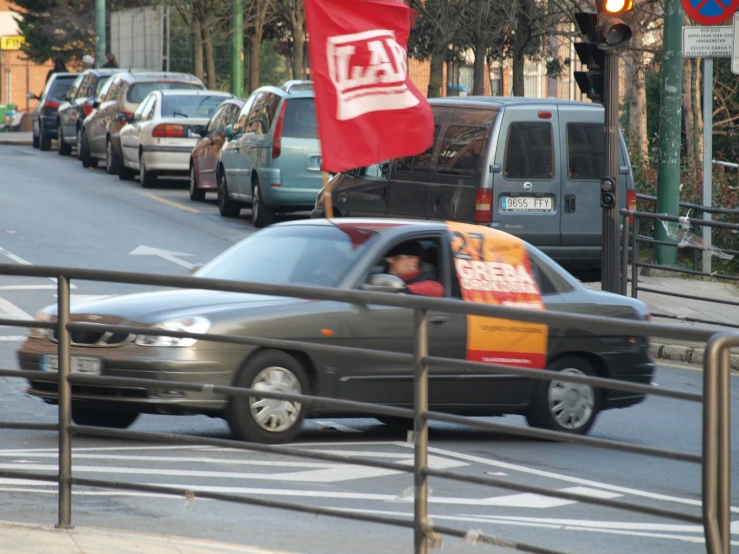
(277, 137)
(87, 108)
(50, 107)
(168, 131)
(631, 203)
(484, 206)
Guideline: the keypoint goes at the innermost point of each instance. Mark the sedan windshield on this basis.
(292, 255)
(196, 105)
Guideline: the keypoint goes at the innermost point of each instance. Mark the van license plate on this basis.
(526, 204)
(80, 364)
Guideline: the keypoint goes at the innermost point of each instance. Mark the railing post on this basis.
(724, 450)
(635, 258)
(710, 446)
(65, 405)
(421, 431)
(625, 256)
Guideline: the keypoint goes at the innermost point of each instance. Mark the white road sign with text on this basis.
(707, 42)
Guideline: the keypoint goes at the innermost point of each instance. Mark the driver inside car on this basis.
(404, 261)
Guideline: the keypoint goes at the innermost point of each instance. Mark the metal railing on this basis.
(714, 458)
(632, 236)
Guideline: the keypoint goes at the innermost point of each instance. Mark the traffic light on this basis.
(614, 23)
(591, 81)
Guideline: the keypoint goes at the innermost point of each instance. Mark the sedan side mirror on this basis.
(120, 117)
(96, 104)
(228, 132)
(382, 282)
(198, 130)
(31, 96)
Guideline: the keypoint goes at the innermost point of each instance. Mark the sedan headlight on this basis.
(187, 324)
(38, 332)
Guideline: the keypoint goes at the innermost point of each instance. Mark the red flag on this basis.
(367, 108)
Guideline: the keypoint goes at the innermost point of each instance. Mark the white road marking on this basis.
(12, 338)
(22, 451)
(336, 426)
(16, 259)
(8, 310)
(540, 524)
(168, 255)
(567, 478)
(28, 287)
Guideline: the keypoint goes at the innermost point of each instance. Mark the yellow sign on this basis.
(12, 43)
(493, 268)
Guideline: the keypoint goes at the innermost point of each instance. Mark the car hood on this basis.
(154, 307)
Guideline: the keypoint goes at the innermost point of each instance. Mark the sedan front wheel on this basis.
(267, 420)
(566, 407)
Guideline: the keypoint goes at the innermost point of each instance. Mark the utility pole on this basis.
(99, 33)
(668, 177)
(237, 48)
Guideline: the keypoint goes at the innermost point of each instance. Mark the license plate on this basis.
(80, 364)
(526, 204)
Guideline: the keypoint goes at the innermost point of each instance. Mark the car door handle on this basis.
(439, 321)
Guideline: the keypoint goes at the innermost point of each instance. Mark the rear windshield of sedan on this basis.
(294, 255)
(60, 86)
(139, 91)
(300, 119)
(197, 105)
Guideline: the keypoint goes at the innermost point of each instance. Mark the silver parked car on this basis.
(349, 254)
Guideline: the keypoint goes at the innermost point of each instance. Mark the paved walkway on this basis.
(17, 538)
(17, 139)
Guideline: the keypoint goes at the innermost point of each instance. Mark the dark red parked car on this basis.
(205, 154)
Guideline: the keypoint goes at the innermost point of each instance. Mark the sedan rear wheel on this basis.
(267, 420)
(196, 193)
(566, 407)
(44, 141)
(82, 415)
(84, 155)
(112, 161)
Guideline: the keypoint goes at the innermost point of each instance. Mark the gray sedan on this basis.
(349, 254)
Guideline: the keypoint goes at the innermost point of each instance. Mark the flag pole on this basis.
(328, 205)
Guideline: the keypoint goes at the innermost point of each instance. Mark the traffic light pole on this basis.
(100, 33)
(237, 48)
(610, 264)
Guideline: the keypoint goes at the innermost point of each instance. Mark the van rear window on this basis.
(529, 151)
(585, 151)
(462, 150)
(300, 119)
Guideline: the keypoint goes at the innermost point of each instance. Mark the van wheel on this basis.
(83, 415)
(112, 161)
(265, 420)
(566, 407)
(226, 206)
(261, 214)
(85, 158)
(35, 140)
(63, 149)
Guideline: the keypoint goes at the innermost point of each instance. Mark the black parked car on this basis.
(78, 104)
(45, 113)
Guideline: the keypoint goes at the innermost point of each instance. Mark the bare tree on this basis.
(260, 13)
(293, 13)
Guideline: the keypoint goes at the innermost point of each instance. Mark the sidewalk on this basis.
(19, 538)
(682, 307)
(16, 139)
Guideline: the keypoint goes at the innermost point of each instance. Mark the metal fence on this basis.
(714, 459)
(690, 233)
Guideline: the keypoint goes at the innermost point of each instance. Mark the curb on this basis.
(684, 353)
(15, 142)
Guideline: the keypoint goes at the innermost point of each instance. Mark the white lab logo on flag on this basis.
(381, 85)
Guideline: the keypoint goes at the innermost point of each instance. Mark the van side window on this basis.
(462, 150)
(419, 163)
(529, 151)
(585, 151)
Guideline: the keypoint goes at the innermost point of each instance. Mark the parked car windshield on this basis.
(196, 105)
(139, 91)
(60, 86)
(300, 119)
(292, 255)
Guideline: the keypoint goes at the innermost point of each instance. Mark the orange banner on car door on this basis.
(493, 268)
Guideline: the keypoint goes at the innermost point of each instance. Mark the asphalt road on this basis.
(53, 212)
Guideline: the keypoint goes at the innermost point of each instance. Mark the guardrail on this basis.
(714, 458)
(634, 238)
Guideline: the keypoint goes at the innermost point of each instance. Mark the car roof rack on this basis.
(297, 85)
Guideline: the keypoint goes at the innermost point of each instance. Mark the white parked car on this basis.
(163, 130)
